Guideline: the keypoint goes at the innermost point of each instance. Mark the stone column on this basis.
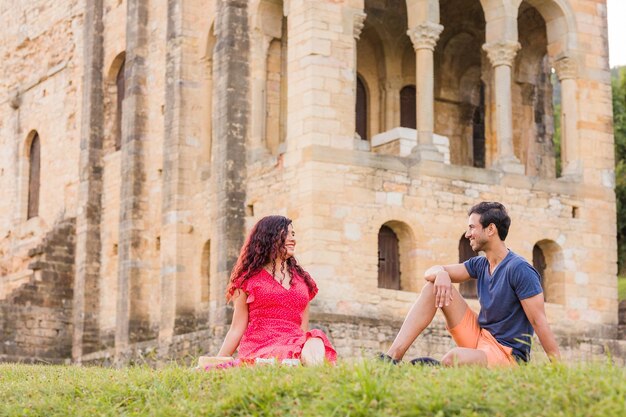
(570, 154)
(501, 55)
(424, 37)
(85, 308)
(133, 302)
(230, 128)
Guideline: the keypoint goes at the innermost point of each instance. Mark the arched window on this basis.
(539, 263)
(549, 263)
(467, 288)
(408, 115)
(205, 272)
(388, 259)
(34, 173)
(120, 85)
(478, 130)
(361, 108)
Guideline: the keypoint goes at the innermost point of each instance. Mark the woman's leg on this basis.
(313, 352)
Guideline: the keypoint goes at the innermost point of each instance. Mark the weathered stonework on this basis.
(237, 109)
(36, 318)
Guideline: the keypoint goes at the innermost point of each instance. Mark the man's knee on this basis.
(450, 358)
(464, 356)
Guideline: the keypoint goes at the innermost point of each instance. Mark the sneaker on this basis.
(387, 359)
(425, 360)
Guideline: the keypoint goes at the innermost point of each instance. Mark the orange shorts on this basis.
(468, 334)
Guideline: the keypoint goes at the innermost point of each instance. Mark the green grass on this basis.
(362, 389)
(621, 288)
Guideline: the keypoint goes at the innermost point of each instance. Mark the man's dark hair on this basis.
(493, 212)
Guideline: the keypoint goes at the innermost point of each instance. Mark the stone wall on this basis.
(36, 318)
(213, 139)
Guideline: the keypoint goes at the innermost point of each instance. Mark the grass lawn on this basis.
(349, 389)
(621, 288)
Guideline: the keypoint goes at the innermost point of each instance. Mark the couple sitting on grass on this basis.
(271, 293)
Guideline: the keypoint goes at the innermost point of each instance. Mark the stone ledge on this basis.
(480, 176)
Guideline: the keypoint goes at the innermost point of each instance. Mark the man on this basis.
(509, 292)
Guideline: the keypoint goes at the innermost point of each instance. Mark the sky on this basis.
(616, 13)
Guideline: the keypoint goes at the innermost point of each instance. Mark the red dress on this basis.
(274, 319)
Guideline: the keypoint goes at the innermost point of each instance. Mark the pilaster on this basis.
(85, 309)
(133, 321)
(230, 121)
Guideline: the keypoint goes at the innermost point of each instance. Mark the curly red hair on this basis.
(265, 245)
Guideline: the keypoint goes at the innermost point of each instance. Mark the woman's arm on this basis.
(238, 325)
(305, 320)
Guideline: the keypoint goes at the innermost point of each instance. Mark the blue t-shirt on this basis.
(501, 312)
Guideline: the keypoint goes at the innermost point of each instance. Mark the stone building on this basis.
(141, 139)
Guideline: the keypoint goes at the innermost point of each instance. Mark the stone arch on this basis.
(267, 17)
(458, 61)
(560, 26)
(467, 289)
(532, 96)
(114, 85)
(115, 66)
(549, 262)
(408, 111)
(33, 177)
(25, 151)
(406, 242)
(561, 47)
(371, 68)
(362, 107)
(269, 50)
(116, 91)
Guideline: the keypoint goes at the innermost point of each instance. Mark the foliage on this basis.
(621, 288)
(556, 138)
(355, 389)
(618, 85)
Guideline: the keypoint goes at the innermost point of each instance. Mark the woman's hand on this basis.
(442, 289)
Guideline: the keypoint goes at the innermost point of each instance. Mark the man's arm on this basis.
(534, 309)
(457, 272)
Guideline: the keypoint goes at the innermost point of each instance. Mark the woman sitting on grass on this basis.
(270, 294)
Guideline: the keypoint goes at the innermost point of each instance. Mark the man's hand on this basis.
(431, 273)
(456, 272)
(442, 289)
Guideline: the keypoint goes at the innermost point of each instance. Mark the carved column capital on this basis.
(359, 22)
(501, 52)
(425, 35)
(566, 68)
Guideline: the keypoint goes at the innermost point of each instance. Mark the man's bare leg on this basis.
(421, 315)
(464, 356)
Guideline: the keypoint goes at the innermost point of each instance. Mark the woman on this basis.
(270, 294)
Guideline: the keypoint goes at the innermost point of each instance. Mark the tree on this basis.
(618, 84)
